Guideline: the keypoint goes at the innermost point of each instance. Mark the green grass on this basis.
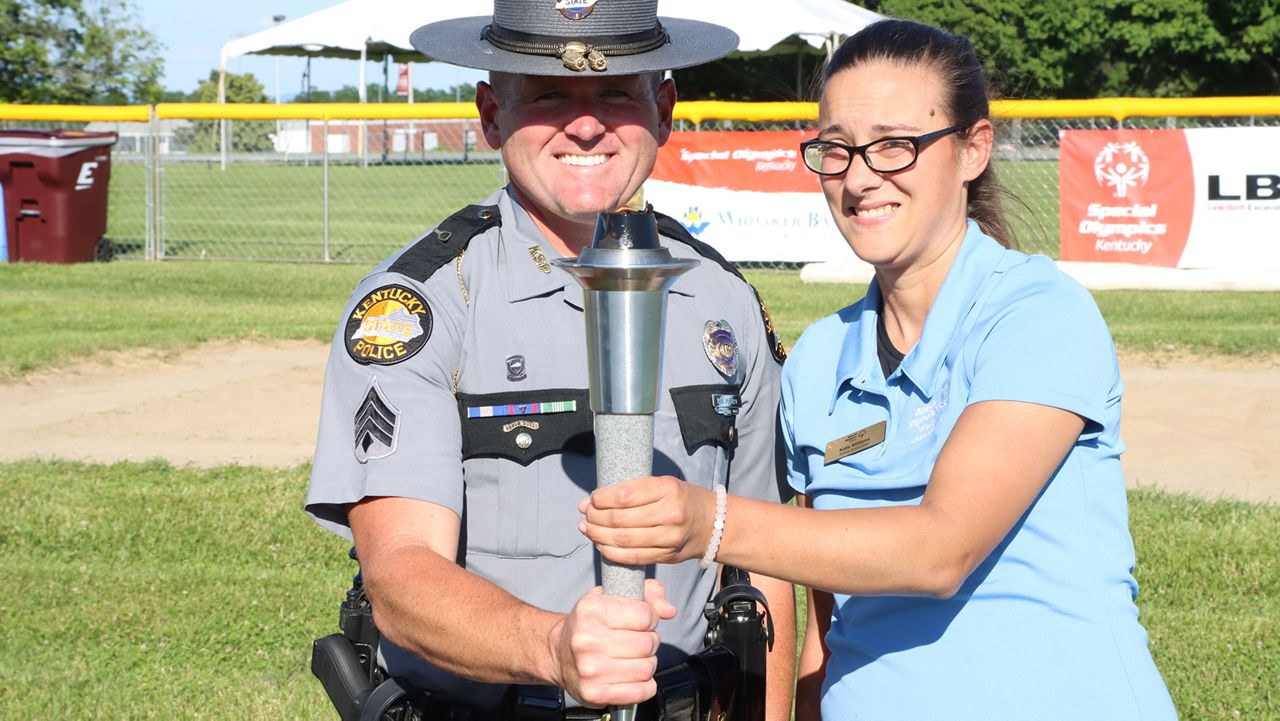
(272, 211)
(147, 591)
(51, 315)
(275, 211)
(1209, 576)
(142, 591)
(1217, 323)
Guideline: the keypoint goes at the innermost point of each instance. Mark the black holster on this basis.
(728, 674)
(347, 664)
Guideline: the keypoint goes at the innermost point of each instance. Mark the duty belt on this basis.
(726, 675)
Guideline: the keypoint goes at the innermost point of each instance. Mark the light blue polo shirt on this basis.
(1046, 627)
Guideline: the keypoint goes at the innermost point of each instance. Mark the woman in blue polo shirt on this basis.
(957, 431)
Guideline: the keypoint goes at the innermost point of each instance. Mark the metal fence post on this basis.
(224, 136)
(161, 231)
(152, 155)
(324, 142)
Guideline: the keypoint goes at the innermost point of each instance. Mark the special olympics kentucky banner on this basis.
(1193, 198)
(747, 194)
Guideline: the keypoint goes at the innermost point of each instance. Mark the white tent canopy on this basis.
(377, 28)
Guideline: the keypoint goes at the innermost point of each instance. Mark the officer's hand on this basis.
(649, 520)
(607, 646)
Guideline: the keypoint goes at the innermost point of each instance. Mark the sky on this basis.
(193, 33)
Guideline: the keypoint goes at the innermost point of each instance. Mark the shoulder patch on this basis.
(389, 325)
(443, 243)
(775, 346)
(673, 229)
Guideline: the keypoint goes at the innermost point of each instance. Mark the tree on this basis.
(351, 94)
(32, 34)
(786, 72)
(1048, 49)
(76, 51)
(1099, 48)
(1199, 47)
(118, 61)
(246, 136)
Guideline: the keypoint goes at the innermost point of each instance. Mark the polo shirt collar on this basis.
(859, 365)
(978, 257)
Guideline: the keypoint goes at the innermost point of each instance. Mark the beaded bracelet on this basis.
(717, 528)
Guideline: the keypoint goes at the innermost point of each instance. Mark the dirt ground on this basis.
(1207, 427)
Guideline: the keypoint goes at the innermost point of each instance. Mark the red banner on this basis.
(1125, 196)
(746, 193)
(765, 161)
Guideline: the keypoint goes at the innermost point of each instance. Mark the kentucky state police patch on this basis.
(387, 326)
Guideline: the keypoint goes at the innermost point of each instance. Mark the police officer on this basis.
(455, 437)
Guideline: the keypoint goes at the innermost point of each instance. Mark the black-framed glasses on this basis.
(886, 155)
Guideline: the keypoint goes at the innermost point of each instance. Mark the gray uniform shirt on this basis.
(418, 412)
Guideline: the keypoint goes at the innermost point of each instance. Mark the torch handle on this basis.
(624, 449)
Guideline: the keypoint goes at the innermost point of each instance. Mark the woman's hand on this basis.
(649, 520)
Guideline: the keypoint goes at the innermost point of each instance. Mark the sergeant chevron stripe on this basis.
(376, 426)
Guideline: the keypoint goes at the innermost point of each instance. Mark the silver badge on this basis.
(515, 368)
(721, 347)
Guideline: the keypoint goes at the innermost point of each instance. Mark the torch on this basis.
(625, 275)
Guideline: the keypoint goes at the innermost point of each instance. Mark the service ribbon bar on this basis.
(521, 409)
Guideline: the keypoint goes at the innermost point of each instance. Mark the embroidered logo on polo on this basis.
(377, 426)
(521, 409)
(387, 326)
(721, 347)
(575, 9)
(924, 421)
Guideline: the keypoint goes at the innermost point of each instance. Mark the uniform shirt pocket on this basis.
(708, 415)
(527, 461)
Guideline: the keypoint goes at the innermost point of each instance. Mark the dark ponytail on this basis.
(966, 92)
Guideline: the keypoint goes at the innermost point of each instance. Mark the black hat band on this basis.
(577, 55)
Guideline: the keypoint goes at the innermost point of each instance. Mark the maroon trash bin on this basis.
(55, 194)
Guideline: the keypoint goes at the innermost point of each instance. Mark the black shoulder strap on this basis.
(673, 229)
(445, 241)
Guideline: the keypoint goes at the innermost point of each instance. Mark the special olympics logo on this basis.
(1121, 167)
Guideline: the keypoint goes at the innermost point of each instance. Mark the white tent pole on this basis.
(222, 77)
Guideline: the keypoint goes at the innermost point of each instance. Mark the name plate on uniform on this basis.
(872, 435)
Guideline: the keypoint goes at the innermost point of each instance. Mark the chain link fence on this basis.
(353, 190)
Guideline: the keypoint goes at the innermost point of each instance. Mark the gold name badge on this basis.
(872, 435)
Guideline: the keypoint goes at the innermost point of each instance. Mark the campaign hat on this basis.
(574, 38)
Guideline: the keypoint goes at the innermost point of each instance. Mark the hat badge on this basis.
(575, 9)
